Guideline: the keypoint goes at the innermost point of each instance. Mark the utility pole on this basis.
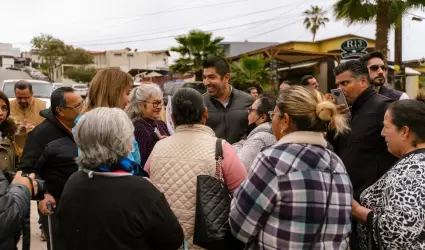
(398, 56)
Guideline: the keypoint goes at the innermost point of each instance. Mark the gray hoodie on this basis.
(258, 139)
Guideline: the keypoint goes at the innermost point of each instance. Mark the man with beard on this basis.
(227, 106)
(378, 73)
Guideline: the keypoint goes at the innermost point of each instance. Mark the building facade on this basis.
(8, 54)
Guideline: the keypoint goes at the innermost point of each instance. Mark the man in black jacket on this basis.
(363, 150)
(378, 75)
(50, 151)
(227, 106)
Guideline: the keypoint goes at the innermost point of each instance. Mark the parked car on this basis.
(41, 89)
(80, 88)
(13, 68)
(57, 85)
(40, 76)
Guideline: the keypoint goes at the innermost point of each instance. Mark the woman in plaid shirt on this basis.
(298, 194)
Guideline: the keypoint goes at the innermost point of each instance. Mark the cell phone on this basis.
(339, 97)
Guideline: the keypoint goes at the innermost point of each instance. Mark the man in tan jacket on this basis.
(25, 110)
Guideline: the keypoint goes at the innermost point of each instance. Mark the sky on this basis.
(152, 24)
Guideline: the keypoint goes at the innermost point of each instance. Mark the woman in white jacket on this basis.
(259, 130)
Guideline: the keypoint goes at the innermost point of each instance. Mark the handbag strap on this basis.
(317, 235)
(378, 233)
(219, 159)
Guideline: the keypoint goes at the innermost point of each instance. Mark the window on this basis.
(117, 54)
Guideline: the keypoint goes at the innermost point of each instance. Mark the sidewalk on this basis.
(36, 243)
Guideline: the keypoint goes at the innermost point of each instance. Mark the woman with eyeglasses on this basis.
(259, 130)
(144, 109)
(297, 194)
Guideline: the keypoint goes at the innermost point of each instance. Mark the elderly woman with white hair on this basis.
(144, 109)
(99, 208)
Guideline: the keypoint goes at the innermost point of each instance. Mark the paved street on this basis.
(12, 74)
(36, 243)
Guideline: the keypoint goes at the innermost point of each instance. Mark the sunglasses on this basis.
(376, 67)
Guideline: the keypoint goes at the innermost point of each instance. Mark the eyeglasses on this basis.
(376, 67)
(78, 107)
(272, 114)
(250, 110)
(158, 104)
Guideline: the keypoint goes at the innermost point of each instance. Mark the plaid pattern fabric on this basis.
(282, 202)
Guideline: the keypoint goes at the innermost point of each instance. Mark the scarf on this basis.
(124, 165)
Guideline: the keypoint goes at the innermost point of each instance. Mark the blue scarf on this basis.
(126, 165)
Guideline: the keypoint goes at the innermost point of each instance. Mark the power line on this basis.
(184, 27)
(277, 17)
(172, 36)
(278, 28)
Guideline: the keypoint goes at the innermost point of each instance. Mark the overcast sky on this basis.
(152, 24)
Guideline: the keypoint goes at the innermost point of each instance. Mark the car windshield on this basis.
(80, 86)
(41, 90)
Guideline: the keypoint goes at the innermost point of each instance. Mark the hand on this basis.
(42, 206)
(24, 180)
(342, 109)
(163, 137)
(355, 204)
(29, 127)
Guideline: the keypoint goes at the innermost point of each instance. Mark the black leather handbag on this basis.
(212, 230)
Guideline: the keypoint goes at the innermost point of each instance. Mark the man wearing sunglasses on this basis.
(378, 73)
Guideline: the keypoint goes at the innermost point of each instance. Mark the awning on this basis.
(299, 66)
(409, 71)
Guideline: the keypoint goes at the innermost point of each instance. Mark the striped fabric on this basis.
(282, 203)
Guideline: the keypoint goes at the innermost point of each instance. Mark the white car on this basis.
(80, 88)
(57, 85)
(41, 89)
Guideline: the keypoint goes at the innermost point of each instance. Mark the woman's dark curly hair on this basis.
(8, 127)
(187, 107)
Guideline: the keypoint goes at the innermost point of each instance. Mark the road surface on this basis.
(6, 74)
(36, 243)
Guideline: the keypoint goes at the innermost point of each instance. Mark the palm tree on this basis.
(251, 71)
(384, 13)
(314, 19)
(193, 49)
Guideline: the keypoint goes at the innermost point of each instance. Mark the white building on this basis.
(126, 60)
(8, 54)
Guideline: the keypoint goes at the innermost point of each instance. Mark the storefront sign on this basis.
(353, 48)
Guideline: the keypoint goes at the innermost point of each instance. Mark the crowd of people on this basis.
(296, 170)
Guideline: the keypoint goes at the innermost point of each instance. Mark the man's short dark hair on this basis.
(219, 63)
(357, 67)
(58, 100)
(365, 59)
(304, 80)
(23, 85)
(251, 88)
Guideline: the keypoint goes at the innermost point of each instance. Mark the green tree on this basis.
(82, 74)
(51, 51)
(193, 49)
(77, 56)
(385, 13)
(251, 71)
(314, 19)
(54, 52)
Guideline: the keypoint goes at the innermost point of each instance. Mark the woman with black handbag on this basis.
(298, 193)
(197, 172)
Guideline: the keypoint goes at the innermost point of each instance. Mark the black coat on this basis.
(363, 150)
(14, 206)
(108, 213)
(50, 153)
(229, 122)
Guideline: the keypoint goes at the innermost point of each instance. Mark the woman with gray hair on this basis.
(98, 208)
(144, 110)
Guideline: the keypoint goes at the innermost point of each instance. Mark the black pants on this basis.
(58, 243)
